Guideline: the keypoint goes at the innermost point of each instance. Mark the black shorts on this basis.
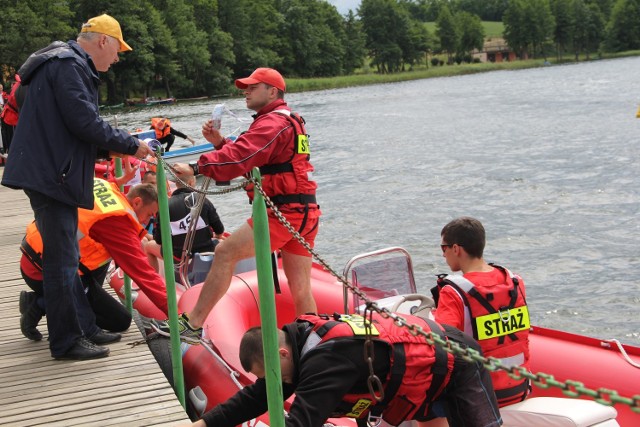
(468, 400)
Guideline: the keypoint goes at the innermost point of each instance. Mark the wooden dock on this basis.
(126, 388)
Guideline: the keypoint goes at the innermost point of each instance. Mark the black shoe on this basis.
(104, 337)
(30, 315)
(84, 349)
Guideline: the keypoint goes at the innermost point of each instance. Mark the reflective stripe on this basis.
(516, 360)
(312, 342)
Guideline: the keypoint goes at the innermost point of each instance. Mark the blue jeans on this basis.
(69, 315)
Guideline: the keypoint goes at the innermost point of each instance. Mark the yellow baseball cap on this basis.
(105, 24)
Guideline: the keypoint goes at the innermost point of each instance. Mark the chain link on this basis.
(542, 380)
(570, 388)
(175, 177)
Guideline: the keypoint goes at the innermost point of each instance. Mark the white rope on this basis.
(623, 352)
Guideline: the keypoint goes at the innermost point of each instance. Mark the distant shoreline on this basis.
(324, 83)
(363, 79)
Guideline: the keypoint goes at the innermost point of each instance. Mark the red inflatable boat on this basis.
(213, 372)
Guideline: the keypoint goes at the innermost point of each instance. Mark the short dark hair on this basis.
(466, 232)
(252, 350)
(147, 192)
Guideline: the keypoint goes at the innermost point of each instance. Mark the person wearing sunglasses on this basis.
(486, 301)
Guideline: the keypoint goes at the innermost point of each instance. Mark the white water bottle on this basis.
(218, 110)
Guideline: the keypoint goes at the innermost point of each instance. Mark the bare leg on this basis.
(154, 252)
(297, 268)
(236, 247)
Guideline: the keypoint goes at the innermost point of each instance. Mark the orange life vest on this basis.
(157, 122)
(418, 371)
(108, 201)
(498, 318)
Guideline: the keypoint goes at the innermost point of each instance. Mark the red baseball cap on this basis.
(263, 75)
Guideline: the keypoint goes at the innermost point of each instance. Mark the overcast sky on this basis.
(343, 6)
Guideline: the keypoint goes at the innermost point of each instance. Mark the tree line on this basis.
(192, 48)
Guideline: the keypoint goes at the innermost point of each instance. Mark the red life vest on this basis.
(418, 371)
(11, 112)
(289, 182)
(157, 122)
(498, 318)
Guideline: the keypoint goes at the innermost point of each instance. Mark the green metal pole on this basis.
(267, 308)
(170, 281)
(128, 301)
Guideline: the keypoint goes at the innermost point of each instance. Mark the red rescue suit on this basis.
(11, 112)
(418, 371)
(498, 318)
(288, 182)
(277, 143)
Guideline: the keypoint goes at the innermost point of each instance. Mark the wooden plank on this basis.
(125, 388)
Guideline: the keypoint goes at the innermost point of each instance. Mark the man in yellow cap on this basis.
(56, 142)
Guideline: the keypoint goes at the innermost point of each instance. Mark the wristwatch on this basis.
(194, 166)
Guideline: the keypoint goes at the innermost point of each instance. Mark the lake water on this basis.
(546, 158)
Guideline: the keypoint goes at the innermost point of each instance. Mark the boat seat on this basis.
(558, 412)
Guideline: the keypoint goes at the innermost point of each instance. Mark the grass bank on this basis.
(302, 85)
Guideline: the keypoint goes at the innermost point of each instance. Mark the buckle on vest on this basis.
(374, 420)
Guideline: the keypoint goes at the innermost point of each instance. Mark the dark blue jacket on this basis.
(55, 143)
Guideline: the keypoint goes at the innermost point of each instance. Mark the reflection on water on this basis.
(546, 158)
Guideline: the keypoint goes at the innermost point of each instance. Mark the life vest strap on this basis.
(34, 257)
(303, 199)
(514, 394)
(275, 169)
(396, 375)
(440, 369)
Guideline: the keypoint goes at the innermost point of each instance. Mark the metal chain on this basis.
(171, 170)
(373, 382)
(542, 380)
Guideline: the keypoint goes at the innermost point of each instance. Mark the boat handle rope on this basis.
(607, 344)
(569, 388)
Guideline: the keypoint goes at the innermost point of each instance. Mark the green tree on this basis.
(164, 51)
(595, 29)
(217, 75)
(623, 31)
(471, 33)
(421, 40)
(192, 53)
(379, 20)
(564, 23)
(30, 25)
(528, 25)
(254, 28)
(355, 43)
(447, 32)
(542, 24)
(604, 6)
(588, 29)
(515, 28)
(315, 38)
